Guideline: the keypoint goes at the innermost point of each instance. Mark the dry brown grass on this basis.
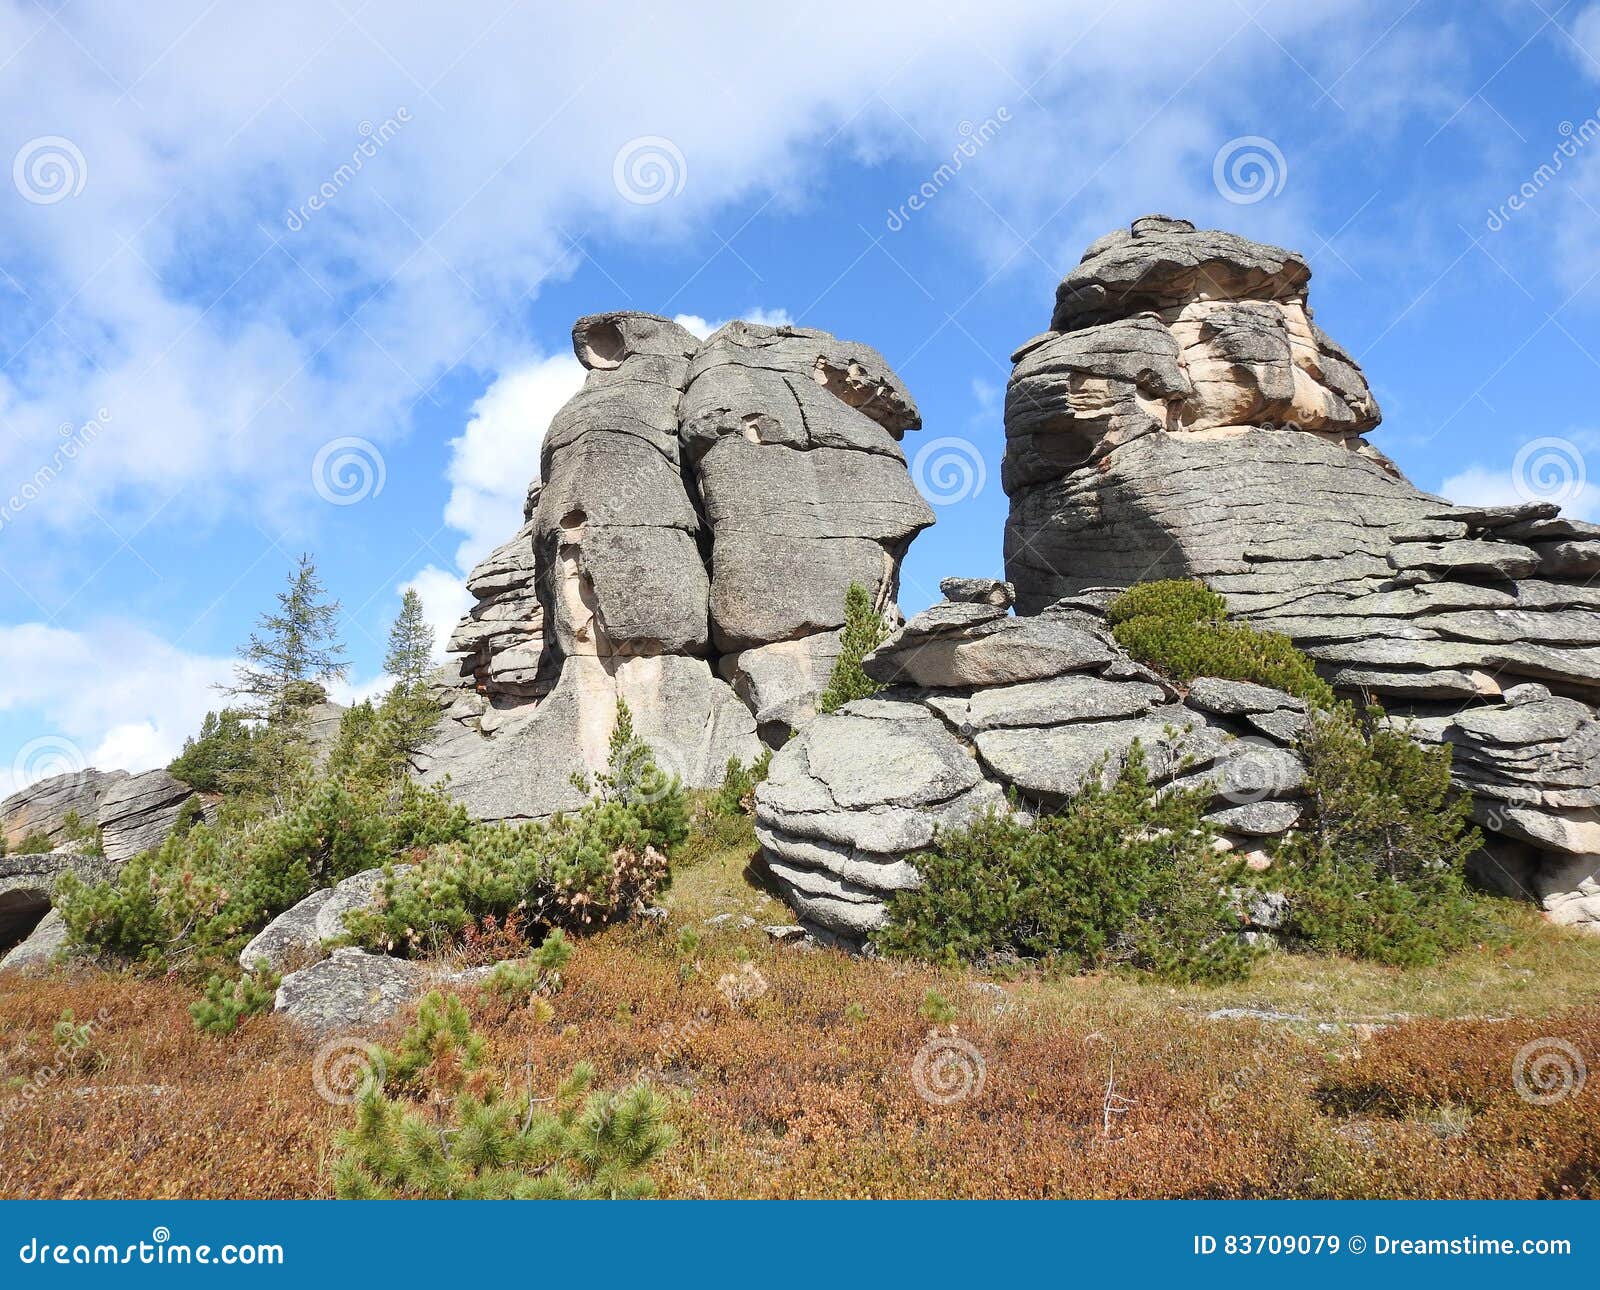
(808, 1089)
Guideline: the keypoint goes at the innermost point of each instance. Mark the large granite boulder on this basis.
(679, 488)
(137, 813)
(982, 704)
(44, 805)
(1184, 417)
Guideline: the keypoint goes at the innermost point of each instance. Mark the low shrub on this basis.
(227, 1002)
(447, 1132)
(1377, 871)
(1121, 875)
(34, 844)
(194, 901)
(737, 794)
(601, 863)
(1182, 630)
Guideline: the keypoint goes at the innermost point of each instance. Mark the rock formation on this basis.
(981, 702)
(43, 806)
(701, 510)
(1184, 417)
(30, 929)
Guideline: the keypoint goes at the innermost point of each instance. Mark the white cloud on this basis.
(227, 345)
(112, 695)
(1480, 485)
(1586, 40)
(698, 326)
(497, 455)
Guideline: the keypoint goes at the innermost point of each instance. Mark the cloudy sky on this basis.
(299, 277)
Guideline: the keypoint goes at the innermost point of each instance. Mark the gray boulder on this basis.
(137, 813)
(349, 990)
(40, 949)
(289, 940)
(44, 805)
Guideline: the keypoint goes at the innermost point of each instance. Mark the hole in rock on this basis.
(20, 913)
(603, 345)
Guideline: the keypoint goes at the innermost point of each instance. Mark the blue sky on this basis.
(197, 356)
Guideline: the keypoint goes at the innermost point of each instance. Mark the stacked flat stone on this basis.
(1185, 418)
(981, 702)
(704, 507)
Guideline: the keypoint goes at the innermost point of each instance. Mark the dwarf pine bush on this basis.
(1121, 875)
(447, 1131)
(1377, 871)
(196, 899)
(603, 862)
(227, 1002)
(1182, 630)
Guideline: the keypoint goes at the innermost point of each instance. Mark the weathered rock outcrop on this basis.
(702, 511)
(44, 805)
(137, 812)
(29, 929)
(982, 702)
(1185, 417)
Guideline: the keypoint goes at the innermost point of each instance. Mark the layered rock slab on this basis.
(983, 703)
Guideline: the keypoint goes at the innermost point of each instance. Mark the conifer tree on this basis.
(408, 714)
(443, 1130)
(864, 631)
(292, 652)
(281, 673)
